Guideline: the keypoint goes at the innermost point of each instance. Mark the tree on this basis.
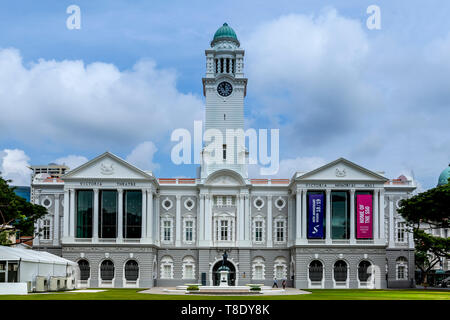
(15, 211)
(424, 212)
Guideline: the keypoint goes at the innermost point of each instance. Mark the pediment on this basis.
(224, 181)
(107, 166)
(225, 178)
(342, 169)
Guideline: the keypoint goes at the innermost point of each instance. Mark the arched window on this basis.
(402, 268)
(85, 270)
(258, 267)
(315, 270)
(364, 271)
(107, 270)
(340, 271)
(280, 268)
(131, 270)
(166, 267)
(188, 268)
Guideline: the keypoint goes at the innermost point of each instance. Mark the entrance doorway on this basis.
(231, 275)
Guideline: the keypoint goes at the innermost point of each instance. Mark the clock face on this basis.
(224, 89)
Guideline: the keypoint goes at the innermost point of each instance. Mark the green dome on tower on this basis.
(225, 32)
(444, 176)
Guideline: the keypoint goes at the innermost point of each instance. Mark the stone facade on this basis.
(187, 224)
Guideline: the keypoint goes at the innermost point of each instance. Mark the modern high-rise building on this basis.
(334, 227)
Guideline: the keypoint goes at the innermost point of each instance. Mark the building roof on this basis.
(444, 176)
(15, 254)
(225, 32)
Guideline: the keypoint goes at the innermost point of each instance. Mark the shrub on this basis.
(255, 289)
(192, 288)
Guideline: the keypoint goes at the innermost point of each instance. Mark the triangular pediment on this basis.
(107, 166)
(342, 169)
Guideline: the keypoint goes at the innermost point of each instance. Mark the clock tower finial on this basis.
(224, 87)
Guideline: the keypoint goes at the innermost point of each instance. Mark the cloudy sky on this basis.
(132, 74)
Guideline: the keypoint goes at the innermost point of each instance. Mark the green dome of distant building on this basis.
(225, 32)
(444, 176)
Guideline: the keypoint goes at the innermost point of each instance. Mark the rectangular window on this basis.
(224, 230)
(340, 215)
(132, 218)
(188, 230)
(401, 272)
(219, 201)
(189, 271)
(167, 230)
(46, 232)
(2, 271)
(229, 201)
(258, 231)
(13, 269)
(85, 200)
(224, 152)
(108, 214)
(167, 271)
(280, 231)
(400, 231)
(279, 272)
(259, 272)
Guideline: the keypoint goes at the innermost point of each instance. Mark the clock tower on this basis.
(224, 87)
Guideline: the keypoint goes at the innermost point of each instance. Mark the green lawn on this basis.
(133, 294)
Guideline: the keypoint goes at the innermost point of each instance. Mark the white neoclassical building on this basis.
(334, 227)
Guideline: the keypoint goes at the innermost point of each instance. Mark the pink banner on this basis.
(364, 228)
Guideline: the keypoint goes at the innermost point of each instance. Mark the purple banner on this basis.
(315, 216)
(364, 216)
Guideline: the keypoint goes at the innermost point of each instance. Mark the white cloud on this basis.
(142, 156)
(14, 166)
(336, 89)
(90, 106)
(72, 161)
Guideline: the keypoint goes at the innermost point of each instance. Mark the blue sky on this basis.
(132, 74)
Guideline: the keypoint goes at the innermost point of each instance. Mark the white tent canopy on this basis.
(20, 254)
(19, 265)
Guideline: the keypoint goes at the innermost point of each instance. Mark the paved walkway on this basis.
(173, 291)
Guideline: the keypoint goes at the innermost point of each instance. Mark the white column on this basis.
(376, 230)
(157, 220)
(381, 210)
(352, 216)
(201, 218)
(208, 220)
(304, 214)
(391, 223)
(328, 216)
(144, 215)
(298, 215)
(241, 213)
(269, 222)
(96, 210)
(120, 216)
(72, 214)
(149, 220)
(289, 221)
(66, 214)
(247, 219)
(178, 221)
(56, 221)
(144, 230)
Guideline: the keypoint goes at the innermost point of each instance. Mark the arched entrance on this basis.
(216, 274)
